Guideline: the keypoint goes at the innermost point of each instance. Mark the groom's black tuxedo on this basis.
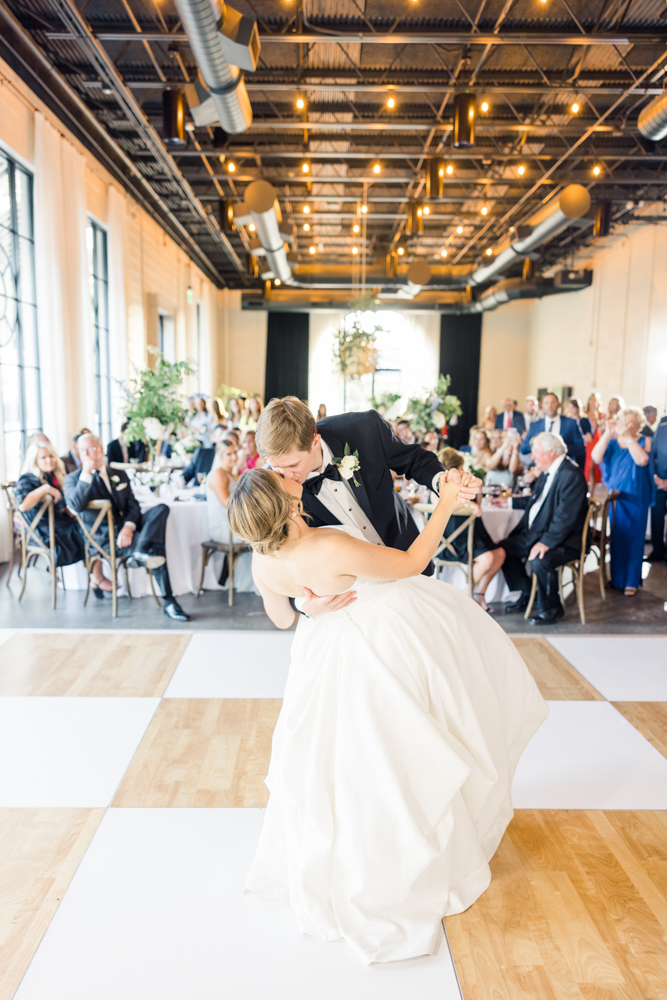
(379, 451)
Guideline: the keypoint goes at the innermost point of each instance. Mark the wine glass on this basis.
(201, 478)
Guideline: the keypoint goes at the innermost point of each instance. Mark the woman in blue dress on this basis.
(625, 459)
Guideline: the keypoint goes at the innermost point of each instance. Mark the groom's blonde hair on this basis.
(285, 425)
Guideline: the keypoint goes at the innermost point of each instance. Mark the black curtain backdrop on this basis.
(460, 343)
(287, 355)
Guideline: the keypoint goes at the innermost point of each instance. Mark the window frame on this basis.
(100, 329)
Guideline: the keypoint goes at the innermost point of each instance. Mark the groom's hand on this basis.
(470, 487)
(314, 605)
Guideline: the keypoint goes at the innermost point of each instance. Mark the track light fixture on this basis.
(173, 118)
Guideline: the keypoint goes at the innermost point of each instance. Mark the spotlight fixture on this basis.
(485, 210)
(355, 249)
(107, 90)
(364, 209)
(227, 216)
(450, 169)
(305, 168)
(306, 209)
(459, 229)
(231, 167)
(484, 106)
(465, 112)
(489, 251)
(312, 249)
(173, 118)
(376, 168)
(277, 282)
(400, 251)
(575, 108)
(306, 227)
(597, 170)
(355, 227)
(521, 171)
(251, 227)
(391, 102)
(300, 103)
(443, 253)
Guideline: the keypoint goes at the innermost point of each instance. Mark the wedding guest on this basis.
(200, 464)
(490, 416)
(594, 410)
(510, 417)
(595, 416)
(615, 405)
(71, 460)
(321, 412)
(42, 474)
(480, 445)
(251, 414)
(404, 431)
(235, 437)
(120, 450)
(250, 454)
(504, 465)
(431, 441)
(487, 557)
(549, 533)
(651, 421)
(202, 421)
(218, 410)
(234, 411)
(220, 485)
(659, 509)
(552, 423)
(625, 458)
(573, 408)
(530, 414)
(139, 536)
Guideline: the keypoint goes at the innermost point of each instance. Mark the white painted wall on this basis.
(504, 354)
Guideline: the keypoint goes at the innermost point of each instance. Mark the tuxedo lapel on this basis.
(313, 506)
(338, 450)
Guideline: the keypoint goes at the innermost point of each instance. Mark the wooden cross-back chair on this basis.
(232, 551)
(14, 530)
(599, 535)
(470, 514)
(575, 565)
(32, 545)
(93, 552)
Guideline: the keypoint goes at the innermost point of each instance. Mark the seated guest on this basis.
(251, 414)
(200, 464)
(43, 473)
(552, 423)
(651, 421)
(549, 533)
(201, 421)
(404, 431)
(625, 459)
(119, 450)
(249, 457)
(480, 445)
(505, 464)
(487, 557)
(220, 485)
(71, 460)
(431, 441)
(321, 412)
(489, 421)
(530, 414)
(510, 417)
(659, 509)
(139, 536)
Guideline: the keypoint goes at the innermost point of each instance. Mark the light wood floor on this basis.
(41, 849)
(203, 752)
(556, 678)
(650, 718)
(577, 909)
(101, 665)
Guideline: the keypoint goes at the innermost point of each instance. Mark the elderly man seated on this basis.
(139, 536)
(549, 533)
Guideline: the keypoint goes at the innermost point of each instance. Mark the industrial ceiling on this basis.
(350, 102)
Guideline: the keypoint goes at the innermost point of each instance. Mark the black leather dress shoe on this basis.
(172, 609)
(516, 606)
(546, 617)
(655, 557)
(145, 560)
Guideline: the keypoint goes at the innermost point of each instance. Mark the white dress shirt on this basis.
(339, 500)
(552, 425)
(550, 473)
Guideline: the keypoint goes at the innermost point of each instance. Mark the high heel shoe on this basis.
(97, 591)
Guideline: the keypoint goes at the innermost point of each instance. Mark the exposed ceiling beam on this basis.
(628, 155)
(384, 125)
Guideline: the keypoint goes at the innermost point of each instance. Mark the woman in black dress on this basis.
(487, 557)
(43, 473)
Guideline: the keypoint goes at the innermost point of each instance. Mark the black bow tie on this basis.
(314, 484)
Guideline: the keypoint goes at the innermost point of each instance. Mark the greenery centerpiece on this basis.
(155, 403)
(433, 408)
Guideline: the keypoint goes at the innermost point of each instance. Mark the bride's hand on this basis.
(459, 485)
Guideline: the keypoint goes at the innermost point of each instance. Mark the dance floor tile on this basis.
(39, 852)
(233, 665)
(587, 756)
(650, 718)
(156, 910)
(203, 752)
(6, 634)
(556, 678)
(105, 664)
(67, 752)
(622, 668)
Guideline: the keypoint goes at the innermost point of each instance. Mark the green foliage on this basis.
(155, 392)
(434, 407)
(384, 402)
(227, 392)
(354, 345)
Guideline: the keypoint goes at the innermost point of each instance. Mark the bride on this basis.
(405, 713)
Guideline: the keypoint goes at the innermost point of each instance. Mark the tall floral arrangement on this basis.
(354, 348)
(433, 408)
(155, 401)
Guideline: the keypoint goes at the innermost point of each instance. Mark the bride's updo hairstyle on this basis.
(259, 510)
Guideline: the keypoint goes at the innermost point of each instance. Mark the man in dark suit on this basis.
(659, 510)
(202, 462)
(141, 537)
(555, 424)
(72, 460)
(119, 450)
(365, 498)
(549, 533)
(510, 417)
(651, 415)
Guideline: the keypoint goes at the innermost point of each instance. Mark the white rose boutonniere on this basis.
(115, 479)
(348, 464)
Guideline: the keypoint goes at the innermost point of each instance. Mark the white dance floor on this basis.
(233, 665)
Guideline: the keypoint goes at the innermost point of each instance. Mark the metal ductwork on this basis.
(261, 207)
(652, 121)
(573, 202)
(518, 288)
(217, 34)
(419, 274)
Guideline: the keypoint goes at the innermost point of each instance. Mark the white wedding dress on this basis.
(403, 721)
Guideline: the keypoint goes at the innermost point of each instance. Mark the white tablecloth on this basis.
(187, 528)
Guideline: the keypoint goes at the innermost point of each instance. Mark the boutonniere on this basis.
(348, 464)
(115, 479)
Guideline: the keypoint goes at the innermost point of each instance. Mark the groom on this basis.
(310, 454)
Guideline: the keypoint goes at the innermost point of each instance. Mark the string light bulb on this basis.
(231, 166)
(484, 106)
(305, 168)
(521, 171)
(426, 210)
(300, 103)
(400, 251)
(376, 168)
(485, 210)
(597, 170)
(306, 209)
(459, 229)
(277, 282)
(355, 250)
(251, 227)
(312, 249)
(450, 168)
(575, 108)
(364, 209)
(391, 102)
(355, 227)
(443, 253)
(489, 251)
(306, 227)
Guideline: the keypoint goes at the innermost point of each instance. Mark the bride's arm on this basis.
(349, 557)
(277, 606)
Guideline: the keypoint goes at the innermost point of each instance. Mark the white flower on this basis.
(153, 428)
(348, 465)
(438, 419)
(115, 479)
